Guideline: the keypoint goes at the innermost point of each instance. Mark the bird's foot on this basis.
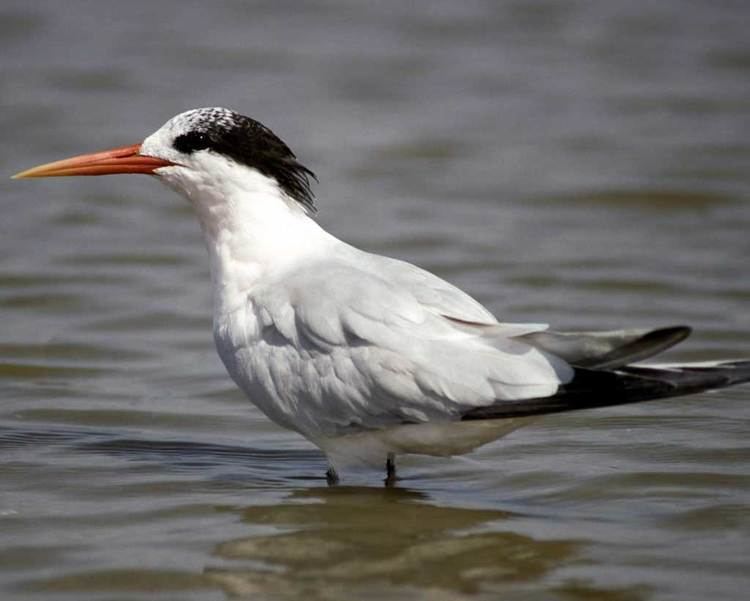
(390, 471)
(332, 478)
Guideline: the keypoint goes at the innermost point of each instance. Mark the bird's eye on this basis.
(191, 142)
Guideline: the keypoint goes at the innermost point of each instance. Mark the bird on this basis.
(370, 357)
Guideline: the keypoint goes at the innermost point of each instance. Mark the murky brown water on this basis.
(580, 163)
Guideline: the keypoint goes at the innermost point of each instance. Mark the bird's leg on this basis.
(332, 478)
(390, 470)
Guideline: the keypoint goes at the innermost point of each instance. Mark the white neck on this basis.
(252, 230)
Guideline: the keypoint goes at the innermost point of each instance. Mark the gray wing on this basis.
(430, 291)
(361, 350)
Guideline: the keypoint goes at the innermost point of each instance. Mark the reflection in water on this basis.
(346, 543)
(324, 543)
(333, 543)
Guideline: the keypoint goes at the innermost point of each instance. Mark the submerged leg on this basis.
(390, 470)
(332, 478)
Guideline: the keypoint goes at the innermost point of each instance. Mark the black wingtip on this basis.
(650, 344)
(677, 333)
(664, 338)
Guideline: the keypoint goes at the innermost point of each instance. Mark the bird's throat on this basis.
(253, 236)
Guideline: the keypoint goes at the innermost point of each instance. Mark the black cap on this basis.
(250, 143)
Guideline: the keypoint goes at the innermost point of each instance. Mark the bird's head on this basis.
(197, 151)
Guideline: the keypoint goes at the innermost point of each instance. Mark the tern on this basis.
(367, 356)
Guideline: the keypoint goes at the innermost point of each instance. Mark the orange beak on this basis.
(118, 160)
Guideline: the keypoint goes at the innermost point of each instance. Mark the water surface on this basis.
(578, 163)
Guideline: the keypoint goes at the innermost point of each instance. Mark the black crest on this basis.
(250, 143)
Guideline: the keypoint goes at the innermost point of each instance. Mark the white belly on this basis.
(436, 439)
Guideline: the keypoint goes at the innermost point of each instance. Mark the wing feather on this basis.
(361, 350)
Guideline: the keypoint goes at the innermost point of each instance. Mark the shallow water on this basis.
(578, 163)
